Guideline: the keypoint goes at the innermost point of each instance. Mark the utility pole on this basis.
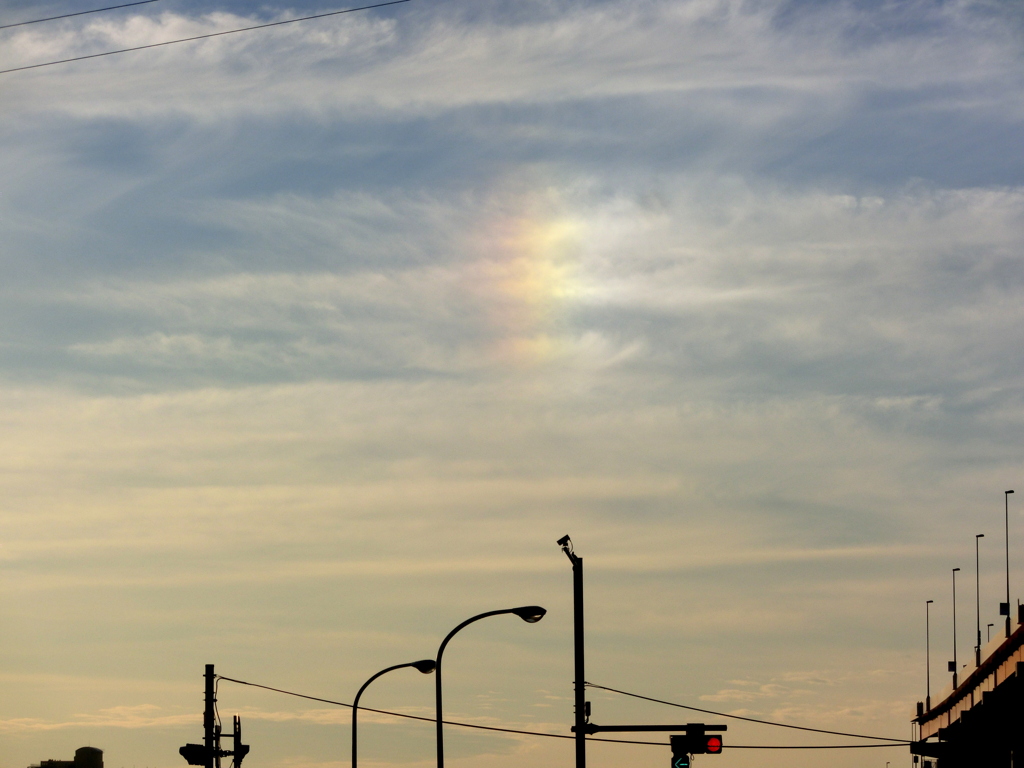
(210, 740)
(582, 706)
(209, 753)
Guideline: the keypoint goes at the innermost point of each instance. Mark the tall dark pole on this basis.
(426, 667)
(954, 628)
(1006, 499)
(977, 595)
(210, 717)
(580, 690)
(928, 656)
(531, 614)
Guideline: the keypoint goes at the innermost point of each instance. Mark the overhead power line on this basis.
(813, 746)
(898, 742)
(79, 13)
(203, 37)
(549, 735)
(426, 719)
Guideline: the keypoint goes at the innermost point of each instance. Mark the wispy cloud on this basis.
(133, 717)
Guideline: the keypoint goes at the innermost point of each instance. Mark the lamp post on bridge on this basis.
(1006, 500)
(952, 664)
(927, 656)
(977, 593)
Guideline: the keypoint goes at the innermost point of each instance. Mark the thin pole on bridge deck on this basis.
(977, 595)
(954, 669)
(1006, 499)
(927, 656)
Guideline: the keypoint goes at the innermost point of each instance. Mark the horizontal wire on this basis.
(898, 742)
(202, 37)
(431, 719)
(80, 13)
(537, 733)
(814, 746)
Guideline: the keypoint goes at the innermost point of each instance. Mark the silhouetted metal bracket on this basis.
(591, 728)
(197, 754)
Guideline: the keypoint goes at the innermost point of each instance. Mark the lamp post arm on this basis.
(437, 677)
(355, 703)
(531, 614)
(463, 625)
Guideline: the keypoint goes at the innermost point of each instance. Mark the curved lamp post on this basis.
(426, 666)
(531, 614)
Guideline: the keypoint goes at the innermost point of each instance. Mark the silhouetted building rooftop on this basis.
(85, 757)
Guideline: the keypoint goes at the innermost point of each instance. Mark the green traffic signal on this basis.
(680, 751)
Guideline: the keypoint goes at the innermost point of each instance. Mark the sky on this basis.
(315, 339)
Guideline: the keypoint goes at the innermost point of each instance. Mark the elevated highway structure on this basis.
(980, 722)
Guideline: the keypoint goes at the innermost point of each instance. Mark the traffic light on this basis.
(680, 751)
(194, 754)
(702, 743)
(712, 745)
(694, 742)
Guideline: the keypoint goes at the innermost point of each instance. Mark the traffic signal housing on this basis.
(694, 742)
(194, 754)
(680, 752)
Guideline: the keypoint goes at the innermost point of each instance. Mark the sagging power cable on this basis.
(897, 742)
(202, 37)
(79, 13)
(539, 733)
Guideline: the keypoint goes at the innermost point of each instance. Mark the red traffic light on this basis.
(713, 745)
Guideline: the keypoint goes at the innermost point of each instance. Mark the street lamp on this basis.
(426, 666)
(928, 656)
(531, 614)
(952, 664)
(1006, 500)
(977, 594)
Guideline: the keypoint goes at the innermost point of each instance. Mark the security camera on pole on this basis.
(582, 708)
(694, 739)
